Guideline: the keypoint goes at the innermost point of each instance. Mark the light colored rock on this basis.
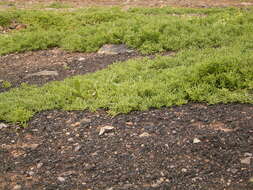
(77, 148)
(81, 59)
(145, 134)
(17, 187)
(196, 140)
(113, 49)
(247, 154)
(105, 129)
(246, 161)
(39, 165)
(2, 126)
(61, 179)
(43, 73)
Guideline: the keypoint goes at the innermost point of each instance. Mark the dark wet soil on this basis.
(191, 147)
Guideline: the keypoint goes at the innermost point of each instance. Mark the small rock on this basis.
(246, 161)
(31, 173)
(61, 179)
(196, 140)
(105, 129)
(2, 126)
(43, 73)
(81, 59)
(70, 139)
(77, 148)
(184, 170)
(17, 187)
(113, 49)
(234, 171)
(145, 134)
(247, 154)
(39, 165)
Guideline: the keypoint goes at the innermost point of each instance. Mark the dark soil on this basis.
(145, 150)
(20, 66)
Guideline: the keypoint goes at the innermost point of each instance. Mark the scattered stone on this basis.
(130, 123)
(43, 73)
(184, 170)
(70, 139)
(247, 154)
(61, 179)
(113, 49)
(39, 165)
(81, 59)
(246, 160)
(77, 148)
(145, 134)
(2, 126)
(17, 187)
(75, 124)
(30, 146)
(196, 140)
(31, 173)
(234, 171)
(105, 129)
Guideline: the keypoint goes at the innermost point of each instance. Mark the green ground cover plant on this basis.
(148, 30)
(207, 75)
(213, 64)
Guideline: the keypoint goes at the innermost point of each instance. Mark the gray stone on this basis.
(43, 73)
(113, 49)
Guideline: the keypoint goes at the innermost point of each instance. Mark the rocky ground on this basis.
(195, 146)
(190, 147)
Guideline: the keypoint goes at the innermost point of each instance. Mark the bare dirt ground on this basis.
(190, 147)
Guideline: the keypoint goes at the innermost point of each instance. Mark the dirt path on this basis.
(189, 147)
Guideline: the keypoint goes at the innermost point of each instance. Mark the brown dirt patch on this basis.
(21, 66)
(144, 150)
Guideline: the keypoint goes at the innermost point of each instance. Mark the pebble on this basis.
(77, 148)
(113, 49)
(247, 154)
(196, 140)
(105, 129)
(145, 134)
(184, 170)
(39, 165)
(17, 187)
(43, 73)
(70, 139)
(61, 179)
(81, 59)
(246, 161)
(2, 125)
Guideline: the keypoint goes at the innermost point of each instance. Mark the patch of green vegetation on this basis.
(58, 5)
(208, 75)
(148, 30)
(214, 62)
(6, 84)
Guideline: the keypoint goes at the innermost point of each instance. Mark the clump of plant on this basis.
(6, 84)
